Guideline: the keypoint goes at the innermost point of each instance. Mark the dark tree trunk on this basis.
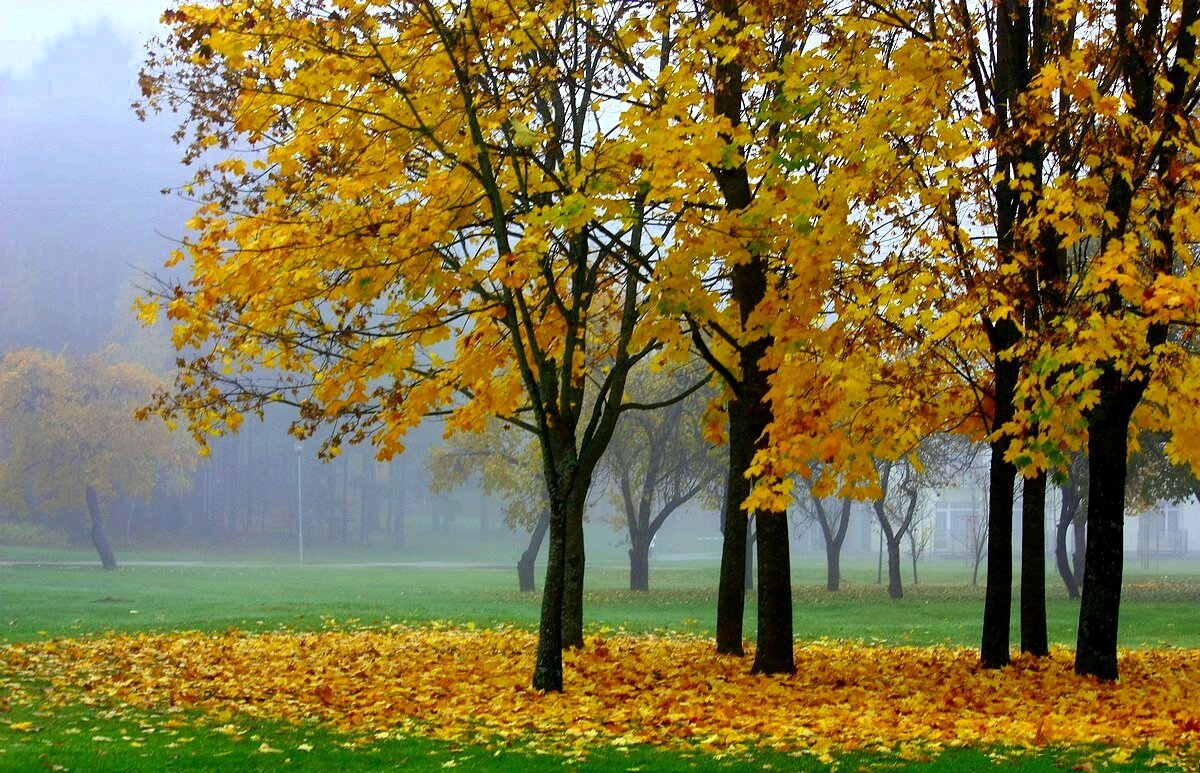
(1033, 567)
(1066, 515)
(731, 593)
(834, 535)
(547, 671)
(572, 611)
(774, 654)
(99, 539)
(525, 564)
(1100, 606)
(833, 569)
(997, 601)
(639, 564)
(895, 582)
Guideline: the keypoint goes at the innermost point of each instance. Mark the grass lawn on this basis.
(38, 602)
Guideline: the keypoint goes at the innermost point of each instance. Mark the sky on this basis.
(28, 27)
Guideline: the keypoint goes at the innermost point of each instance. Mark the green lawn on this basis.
(42, 601)
(51, 601)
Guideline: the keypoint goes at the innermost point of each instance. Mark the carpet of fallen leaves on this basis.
(473, 685)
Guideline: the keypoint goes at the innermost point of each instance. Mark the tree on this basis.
(658, 462)
(834, 522)
(504, 461)
(462, 217)
(69, 440)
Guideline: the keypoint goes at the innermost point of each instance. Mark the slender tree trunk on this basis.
(997, 602)
(572, 612)
(1066, 514)
(1100, 607)
(547, 671)
(99, 539)
(833, 567)
(731, 593)
(895, 582)
(1033, 567)
(525, 564)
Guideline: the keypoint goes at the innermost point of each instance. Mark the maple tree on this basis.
(465, 217)
(69, 440)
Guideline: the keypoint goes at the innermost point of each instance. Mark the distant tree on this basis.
(504, 462)
(833, 518)
(659, 461)
(69, 440)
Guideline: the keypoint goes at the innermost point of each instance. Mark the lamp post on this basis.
(300, 499)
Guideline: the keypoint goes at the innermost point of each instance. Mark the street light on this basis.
(300, 499)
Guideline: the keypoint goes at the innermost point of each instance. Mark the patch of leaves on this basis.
(459, 684)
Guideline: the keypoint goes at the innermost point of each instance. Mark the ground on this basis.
(372, 667)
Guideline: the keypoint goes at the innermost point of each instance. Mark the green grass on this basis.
(43, 601)
(50, 601)
(121, 740)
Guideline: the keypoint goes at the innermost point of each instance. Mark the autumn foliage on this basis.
(470, 685)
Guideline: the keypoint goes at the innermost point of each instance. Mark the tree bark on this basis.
(997, 602)
(1100, 606)
(895, 581)
(99, 539)
(833, 569)
(1033, 567)
(525, 565)
(639, 565)
(774, 654)
(731, 589)
(572, 612)
(547, 670)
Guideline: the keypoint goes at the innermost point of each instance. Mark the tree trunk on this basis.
(1033, 567)
(833, 567)
(997, 602)
(547, 671)
(572, 611)
(895, 582)
(1100, 607)
(731, 593)
(525, 564)
(107, 559)
(774, 654)
(639, 564)
(1066, 514)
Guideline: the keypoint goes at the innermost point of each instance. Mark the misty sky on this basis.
(28, 27)
(81, 213)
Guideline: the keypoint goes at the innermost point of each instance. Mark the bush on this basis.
(31, 535)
